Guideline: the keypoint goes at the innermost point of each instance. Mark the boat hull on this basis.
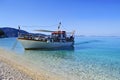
(32, 44)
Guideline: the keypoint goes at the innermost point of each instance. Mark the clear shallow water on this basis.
(93, 58)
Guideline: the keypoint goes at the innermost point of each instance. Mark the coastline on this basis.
(9, 61)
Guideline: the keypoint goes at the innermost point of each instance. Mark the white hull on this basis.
(31, 44)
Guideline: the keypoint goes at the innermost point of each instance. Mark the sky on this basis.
(86, 17)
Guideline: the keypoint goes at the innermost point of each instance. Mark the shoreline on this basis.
(7, 57)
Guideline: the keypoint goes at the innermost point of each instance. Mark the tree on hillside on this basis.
(1, 33)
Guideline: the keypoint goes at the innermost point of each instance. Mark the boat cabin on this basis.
(61, 36)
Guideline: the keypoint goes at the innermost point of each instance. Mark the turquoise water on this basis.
(93, 58)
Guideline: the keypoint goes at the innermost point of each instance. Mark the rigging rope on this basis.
(40, 26)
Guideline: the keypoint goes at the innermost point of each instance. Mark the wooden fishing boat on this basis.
(57, 39)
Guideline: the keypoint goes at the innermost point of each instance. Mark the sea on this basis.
(92, 58)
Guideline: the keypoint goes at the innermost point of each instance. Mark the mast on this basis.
(61, 35)
(59, 26)
(18, 30)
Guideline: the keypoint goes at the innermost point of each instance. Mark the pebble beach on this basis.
(7, 72)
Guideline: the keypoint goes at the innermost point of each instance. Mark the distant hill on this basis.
(11, 32)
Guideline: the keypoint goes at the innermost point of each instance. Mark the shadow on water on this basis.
(51, 53)
(54, 49)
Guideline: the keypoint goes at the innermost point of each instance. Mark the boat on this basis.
(56, 40)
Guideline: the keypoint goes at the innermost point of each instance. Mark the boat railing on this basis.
(46, 38)
(32, 37)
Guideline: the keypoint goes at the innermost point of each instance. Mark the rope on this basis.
(40, 26)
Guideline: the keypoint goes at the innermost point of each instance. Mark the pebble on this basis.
(9, 73)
